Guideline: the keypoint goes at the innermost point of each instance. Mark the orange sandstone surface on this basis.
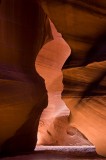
(34, 74)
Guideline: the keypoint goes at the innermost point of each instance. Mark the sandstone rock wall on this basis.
(54, 127)
(83, 26)
(24, 28)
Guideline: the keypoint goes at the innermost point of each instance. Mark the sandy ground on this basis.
(59, 153)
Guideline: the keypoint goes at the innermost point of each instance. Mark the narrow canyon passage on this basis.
(83, 26)
(54, 126)
(62, 67)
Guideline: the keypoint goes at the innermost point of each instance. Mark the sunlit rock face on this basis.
(24, 28)
(82, 24)
(54, 127)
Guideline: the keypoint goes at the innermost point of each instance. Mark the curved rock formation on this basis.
(54, 128)
(24, 28)
(82, 24)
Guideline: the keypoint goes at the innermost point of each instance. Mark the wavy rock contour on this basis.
(24, 28)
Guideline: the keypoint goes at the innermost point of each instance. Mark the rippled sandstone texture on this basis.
(24, 28)
(83, 26)
(54, 127)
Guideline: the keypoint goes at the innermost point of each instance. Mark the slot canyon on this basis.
(52, 75)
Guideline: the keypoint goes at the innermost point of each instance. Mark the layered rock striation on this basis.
(82, 24)
(54, 127)
(24, 28)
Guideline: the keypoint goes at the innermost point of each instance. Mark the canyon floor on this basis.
(60, 153)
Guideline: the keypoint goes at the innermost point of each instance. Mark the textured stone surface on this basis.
(24, 28)
(54, 127)
(82, 24)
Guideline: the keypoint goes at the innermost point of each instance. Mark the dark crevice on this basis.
(96, 53)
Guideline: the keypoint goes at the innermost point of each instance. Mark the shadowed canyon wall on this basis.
(24, 28)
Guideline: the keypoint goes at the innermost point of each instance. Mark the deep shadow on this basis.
(93, 89)
(24, 140)
(96, 53)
